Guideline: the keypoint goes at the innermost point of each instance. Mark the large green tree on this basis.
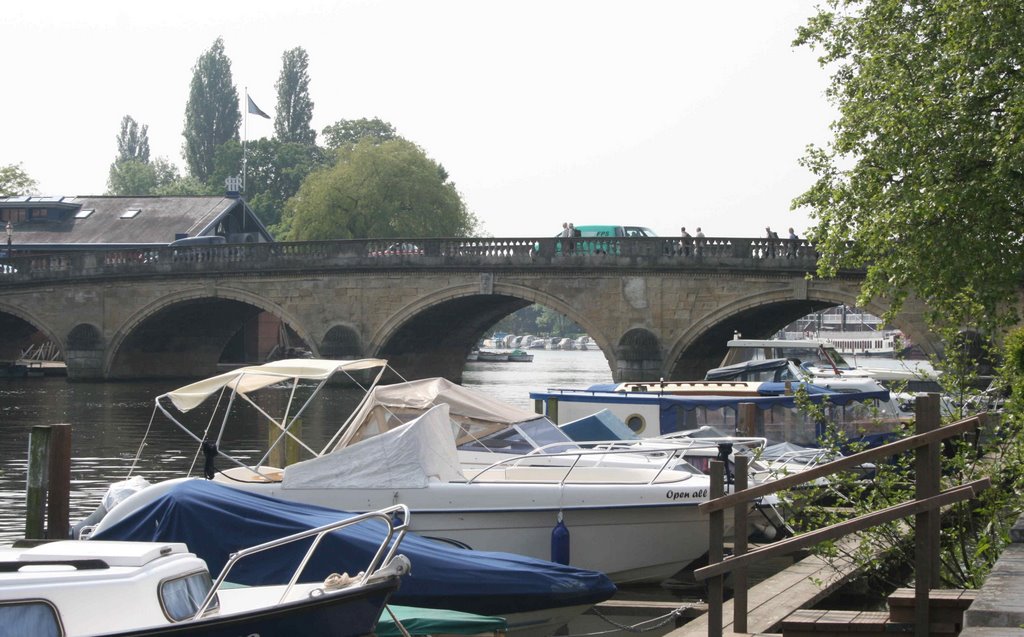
(346, 132)
(132, 141)
(211, 115)
(923, 185)
(15, 181)
(137, 177)
(275, 173)
(294, 106)
(391, 189)
(923, 182)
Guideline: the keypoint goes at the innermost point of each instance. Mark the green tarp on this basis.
(432, 621)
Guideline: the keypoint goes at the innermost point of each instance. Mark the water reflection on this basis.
(111, 420)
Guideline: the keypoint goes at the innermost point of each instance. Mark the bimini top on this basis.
(248, 379)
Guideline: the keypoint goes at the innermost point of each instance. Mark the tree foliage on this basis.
(923, 183)
(347, 132)
(132, 141)
(137, 177)
(391, 189)
(275, 171)
(212, 115)
(294, 106)
(15, 181)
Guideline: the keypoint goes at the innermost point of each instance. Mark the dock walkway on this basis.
(773, 599)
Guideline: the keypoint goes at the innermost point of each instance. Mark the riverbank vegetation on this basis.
(922, 184)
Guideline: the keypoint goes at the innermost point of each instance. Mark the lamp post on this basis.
(10, 231)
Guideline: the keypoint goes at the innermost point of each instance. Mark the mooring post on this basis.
(48, 486)
(747, 425)
(739, 574)
(926, 524)
(716, 551)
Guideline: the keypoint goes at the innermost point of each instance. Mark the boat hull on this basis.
(645, 541)
(351, 615)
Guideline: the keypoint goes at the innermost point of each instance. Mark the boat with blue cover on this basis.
(159, 588)
(213, 519)
(652, 409)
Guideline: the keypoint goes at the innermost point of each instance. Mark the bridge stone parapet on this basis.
(656, 307)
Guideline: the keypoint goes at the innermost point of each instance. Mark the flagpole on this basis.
(245, 136)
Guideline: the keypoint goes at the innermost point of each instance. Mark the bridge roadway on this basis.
(655, 308)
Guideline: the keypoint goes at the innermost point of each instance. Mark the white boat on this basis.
(75, 588)
(510, 507)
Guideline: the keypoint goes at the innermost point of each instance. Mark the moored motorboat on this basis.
(75, 588)
(534, 596)
(512, 506)
(653, 409)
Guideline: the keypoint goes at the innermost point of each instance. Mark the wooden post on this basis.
(739, 575)
(35, 488)
(292, 449)
(48, 486)
(58, 496)
(926, 524)
(716, 551)
(747, 425)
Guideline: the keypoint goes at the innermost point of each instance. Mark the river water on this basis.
(110, 420)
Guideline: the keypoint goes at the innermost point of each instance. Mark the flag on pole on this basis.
(255, 110)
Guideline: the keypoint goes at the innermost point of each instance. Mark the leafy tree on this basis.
(184, 186)
(294, 106)
(275, 173)
(923, 183)
(136, 177)
(347, 132)
(211, 115)
(15, 181)
(391, 189)
(132, 141)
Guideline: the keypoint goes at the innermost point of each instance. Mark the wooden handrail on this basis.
(835, 531)
(846, 462)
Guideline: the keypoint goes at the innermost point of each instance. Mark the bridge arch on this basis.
(702, 345)
(140, 348)
(443, 327)
(18, 327)
(340, 342)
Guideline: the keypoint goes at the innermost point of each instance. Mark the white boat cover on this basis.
(388, 406)
(247, 379)
(409, 456)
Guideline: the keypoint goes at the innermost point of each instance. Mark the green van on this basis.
(579, 244)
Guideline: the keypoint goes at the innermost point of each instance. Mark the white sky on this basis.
(659, 113)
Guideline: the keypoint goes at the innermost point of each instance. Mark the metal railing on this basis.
(385, 552)
(925, 505)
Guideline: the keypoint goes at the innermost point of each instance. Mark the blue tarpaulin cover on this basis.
(215, 520)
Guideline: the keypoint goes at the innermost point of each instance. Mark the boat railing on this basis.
(576, 457)
(396, 518)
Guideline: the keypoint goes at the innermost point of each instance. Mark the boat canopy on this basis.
(410, 456)
(738, 370)
(389, 406)
(248, 379)
(770, 395)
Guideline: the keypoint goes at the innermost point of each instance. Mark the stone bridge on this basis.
(656, 309)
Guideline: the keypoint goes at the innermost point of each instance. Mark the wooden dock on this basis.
(774, 598)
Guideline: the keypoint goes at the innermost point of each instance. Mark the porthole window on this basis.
(636, 423)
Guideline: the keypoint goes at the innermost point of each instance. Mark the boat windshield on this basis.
(523, 438)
